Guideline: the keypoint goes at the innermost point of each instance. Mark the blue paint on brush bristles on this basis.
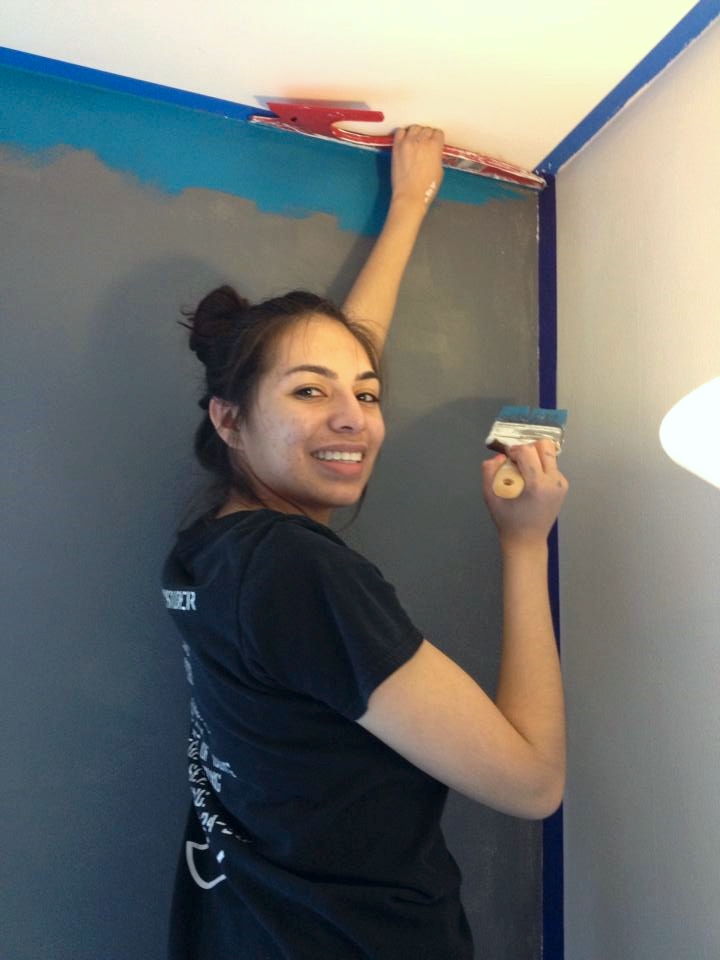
(517, 425)
(539, 415)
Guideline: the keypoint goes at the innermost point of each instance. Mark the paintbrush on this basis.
(519, 425)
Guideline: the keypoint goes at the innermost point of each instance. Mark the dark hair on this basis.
(234, 340)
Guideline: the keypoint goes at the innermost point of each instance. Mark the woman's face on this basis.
(314, 432)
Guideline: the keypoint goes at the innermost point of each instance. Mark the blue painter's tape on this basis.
(174, 141)
(113, 81)
(553, 945)
(687, 30)
(547, 295)
(553, 882)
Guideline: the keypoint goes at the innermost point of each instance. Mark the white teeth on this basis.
(339, 455)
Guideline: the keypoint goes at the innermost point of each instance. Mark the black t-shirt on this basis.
(308, 837)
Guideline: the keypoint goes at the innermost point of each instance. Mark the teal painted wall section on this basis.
(173, 148)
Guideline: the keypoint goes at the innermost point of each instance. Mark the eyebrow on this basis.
(327, 372)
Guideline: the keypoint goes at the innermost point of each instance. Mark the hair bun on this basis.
(215, 321)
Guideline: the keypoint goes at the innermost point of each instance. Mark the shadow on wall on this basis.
(426, 518)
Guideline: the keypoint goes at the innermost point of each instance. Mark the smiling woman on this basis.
(269, 352)
(325, 729)
(309, 442)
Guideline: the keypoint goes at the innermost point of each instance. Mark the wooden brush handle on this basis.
(508, 482)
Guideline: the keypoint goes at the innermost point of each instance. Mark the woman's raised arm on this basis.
(510, 753)
(416, 176)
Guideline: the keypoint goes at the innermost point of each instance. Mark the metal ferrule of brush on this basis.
(506, 435)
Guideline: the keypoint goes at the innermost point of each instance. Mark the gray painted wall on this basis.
(98, 396)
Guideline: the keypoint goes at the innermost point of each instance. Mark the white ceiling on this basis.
(507, 79)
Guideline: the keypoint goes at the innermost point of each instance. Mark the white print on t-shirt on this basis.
(206, 772)
(187, 664)
(190, 849)
(180, 599)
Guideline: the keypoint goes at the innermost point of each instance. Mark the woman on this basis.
(325, 729)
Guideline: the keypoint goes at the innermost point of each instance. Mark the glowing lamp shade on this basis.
(690, 430)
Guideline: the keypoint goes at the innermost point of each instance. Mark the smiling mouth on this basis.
(340, 456)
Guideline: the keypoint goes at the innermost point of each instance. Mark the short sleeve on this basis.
(318, 619)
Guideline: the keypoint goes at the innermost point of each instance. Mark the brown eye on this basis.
(307, 393)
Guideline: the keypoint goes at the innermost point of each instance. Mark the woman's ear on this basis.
(224, 417)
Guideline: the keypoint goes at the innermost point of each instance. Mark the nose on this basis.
(348, 414)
